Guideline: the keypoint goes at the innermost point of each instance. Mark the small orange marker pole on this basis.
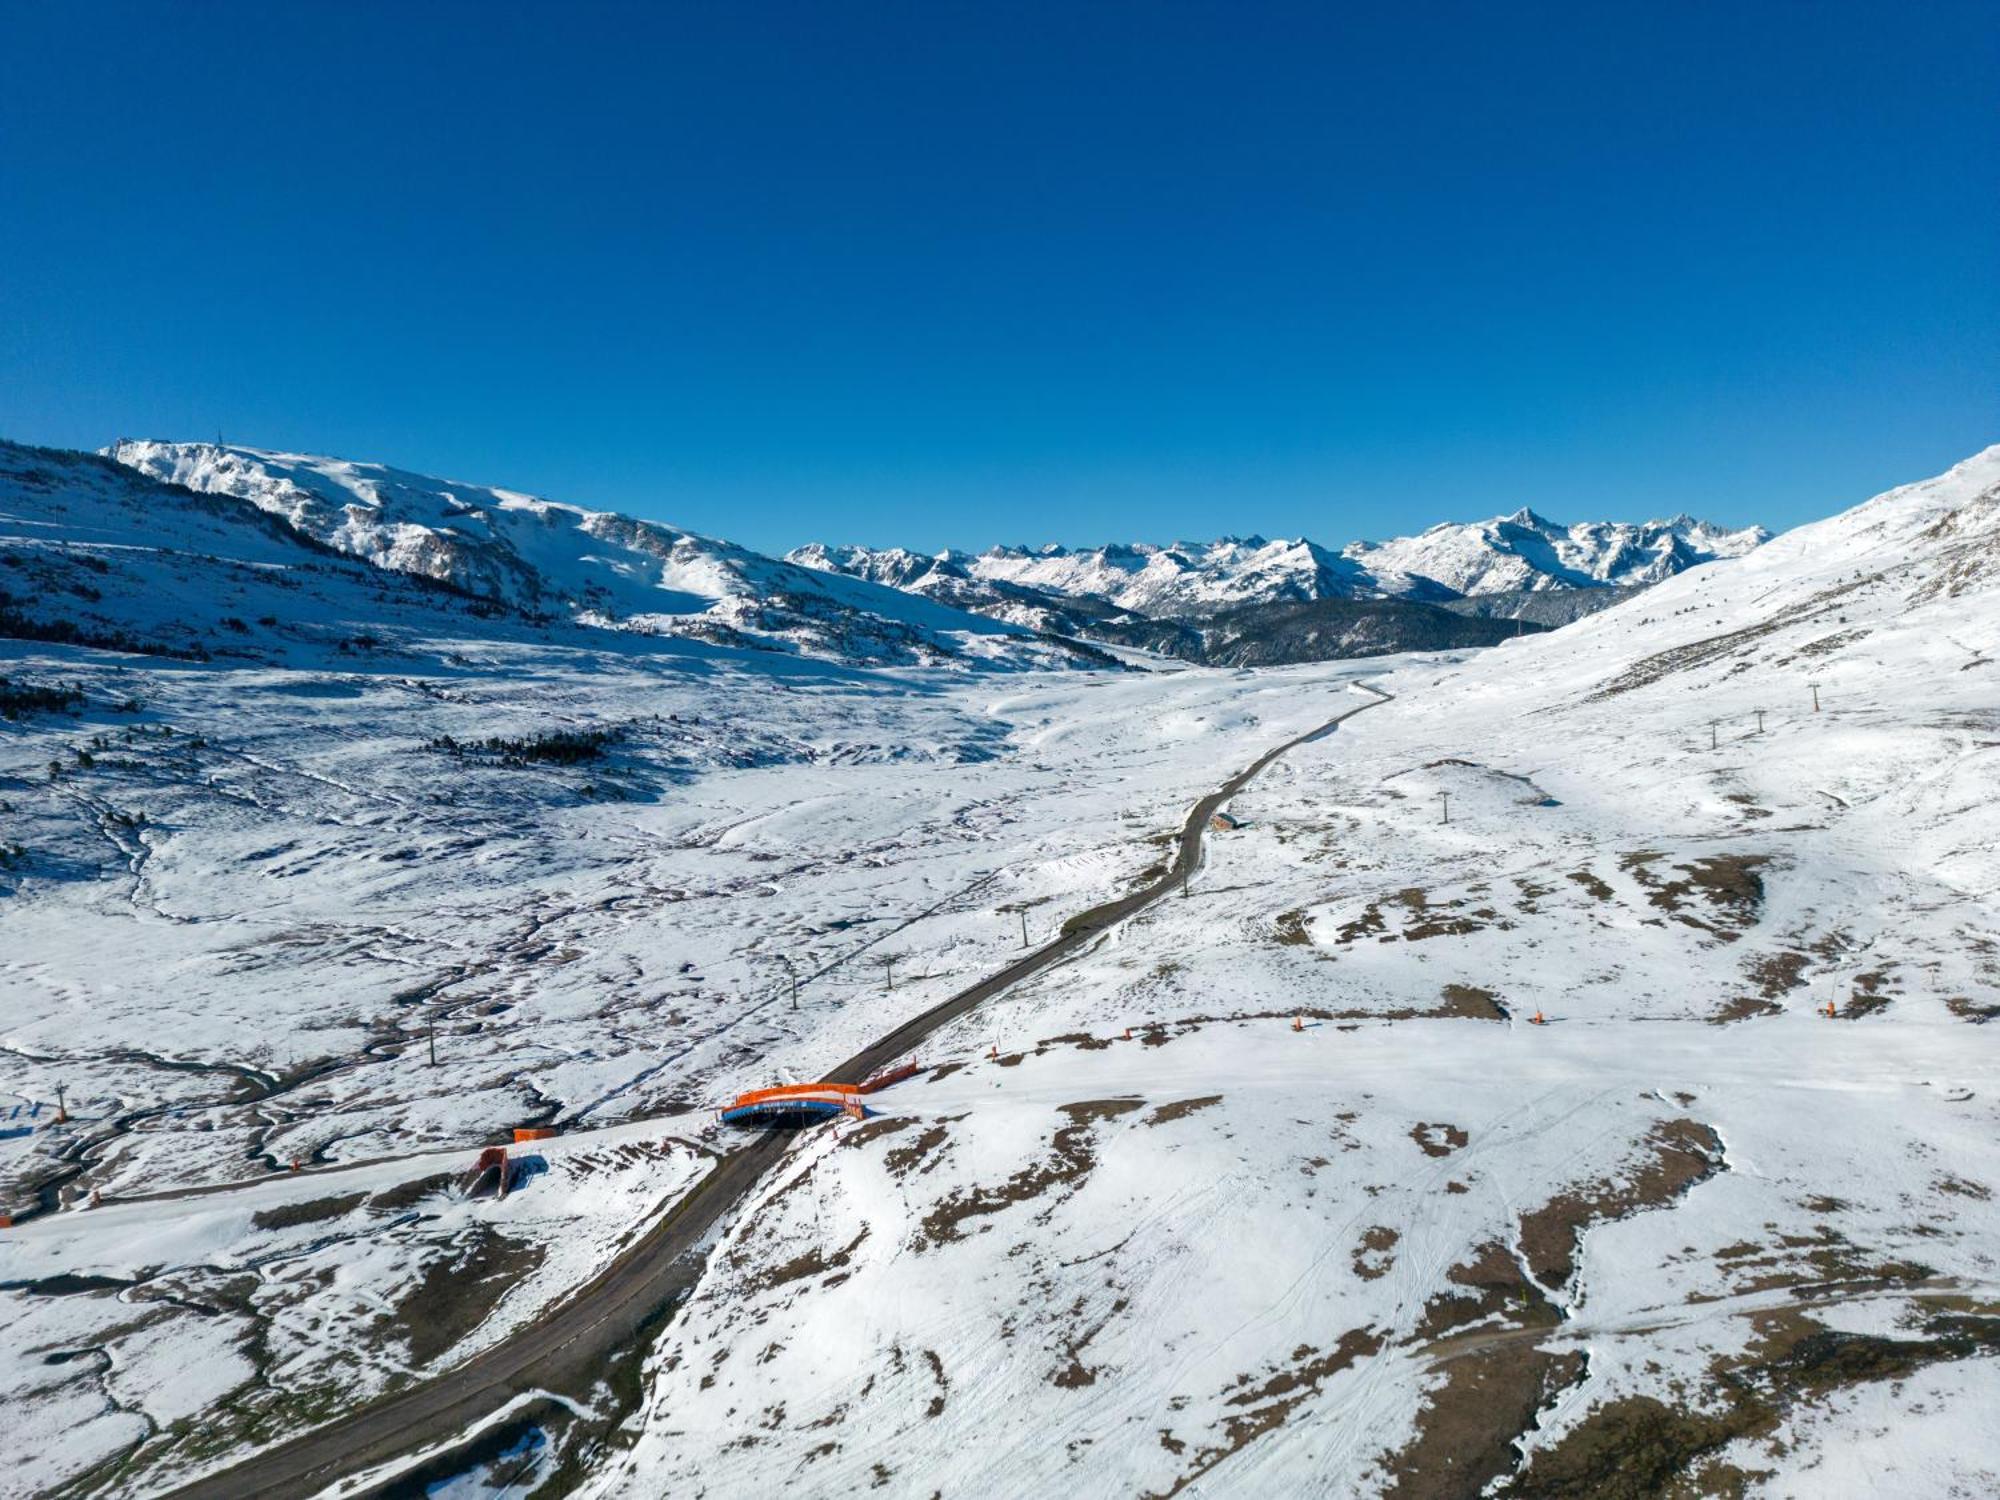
(1128, 1033)
(1298, 1023)
(993, 1052)
(1540, 1019)
(297, 1165)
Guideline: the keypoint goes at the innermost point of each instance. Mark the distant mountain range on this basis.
(1200, 599)
(593, 568)
(1521, 553)
(1237, 601)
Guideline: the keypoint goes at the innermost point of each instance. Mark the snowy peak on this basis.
(596, 567)
(1526, 551)
(1189, 578)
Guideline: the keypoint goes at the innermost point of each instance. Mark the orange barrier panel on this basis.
(793, 1091)
(532, 1133)
(894, 1075)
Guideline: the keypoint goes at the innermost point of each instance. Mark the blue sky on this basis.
(951, 274)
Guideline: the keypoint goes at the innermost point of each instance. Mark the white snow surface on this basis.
(1130, 1232)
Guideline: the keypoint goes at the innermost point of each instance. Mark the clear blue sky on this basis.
(955, 274)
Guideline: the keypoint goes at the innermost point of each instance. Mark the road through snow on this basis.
(568, 1346)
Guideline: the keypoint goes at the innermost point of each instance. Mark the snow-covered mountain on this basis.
(594, 567)
(1507, 554)
(1525, 551)
(1177, 581)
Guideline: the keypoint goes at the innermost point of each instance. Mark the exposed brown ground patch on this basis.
(1640, 1447)
(814, 1262)
(1727, 889)
(1776, 974)
(1871, 993)
(1744, 1008)
(1073, 1157)
(870, 1131)
(1180, 1109)
(1292, 929)
(920, 1153)
(1376, 1254)
(1471, 1003)
(1439, 1139)
(1489, 1392)
(1594, 887)
(408, 1194)
(1678, 1155)
(1424, 918)
(1074, 1374)
(291, 1215)
(459, 1290)
(1264, 1404)
(1822, 1261)
(1967, 1009)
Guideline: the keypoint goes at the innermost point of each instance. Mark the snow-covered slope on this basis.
(1143, 1232)
(597, 567)
(1273, 1189)
(1525, 551)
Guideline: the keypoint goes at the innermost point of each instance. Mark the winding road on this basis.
(568, 1346)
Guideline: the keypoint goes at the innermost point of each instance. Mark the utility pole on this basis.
(1760, 720)
(889, 971)
(62, 1108)
(433, 1031)
(1711, 734)
(1024, 927)
(1815, 693)
(1445, 798)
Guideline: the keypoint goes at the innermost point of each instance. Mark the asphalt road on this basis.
(574, 1338)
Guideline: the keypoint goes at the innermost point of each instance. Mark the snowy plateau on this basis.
(1567, 1075)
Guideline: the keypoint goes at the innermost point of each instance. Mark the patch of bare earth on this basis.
(1492, 1378)
(1439, 1139)
(1292, 929)
(1680, 1154)
(459, 1290)
(1468, 1002)
(1073, 1156)
(1485, 1331)
(1376, 1254)
(1967, 1009)
(1775, 975)
(1074, 1374)
(1180, 1109)
(814, 1262)
(291, 1215)
(1261, 1404)
(1871, 993)
(1640, 1446)
(1722, 894)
